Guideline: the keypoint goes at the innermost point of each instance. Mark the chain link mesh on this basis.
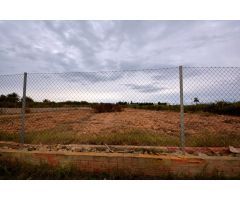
(75, 116)
(135, 107)
(212, 106)
(10, 106)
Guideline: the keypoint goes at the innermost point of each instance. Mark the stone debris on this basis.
(31, 148)
(196, 151)
(234, 150)
(108, 149)
(202, 154)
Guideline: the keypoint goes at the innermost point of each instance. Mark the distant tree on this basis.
(46, 101)
(28, 100)
(13, 97)
(196, 100)
(84, 102)
(163, 104)
(3, 98)
(122, 103)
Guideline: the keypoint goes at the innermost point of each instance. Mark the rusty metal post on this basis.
(22, 130)
(182, 134)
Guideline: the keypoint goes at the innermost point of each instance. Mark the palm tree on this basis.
(196, 100)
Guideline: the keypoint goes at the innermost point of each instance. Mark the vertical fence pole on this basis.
(22, 131)
(182, 135)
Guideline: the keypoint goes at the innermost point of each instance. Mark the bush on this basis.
(27, 110)
(221, 108)
(107, 107)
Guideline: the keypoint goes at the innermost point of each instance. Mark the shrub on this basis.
(107, 107)
(221, 108)
(27, 110)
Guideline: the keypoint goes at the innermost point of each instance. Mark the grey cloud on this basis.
(145, 88)
(91, 77)
(173, 73)
(83, 46)
(63, 46)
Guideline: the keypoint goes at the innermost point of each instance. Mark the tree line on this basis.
(13, 100)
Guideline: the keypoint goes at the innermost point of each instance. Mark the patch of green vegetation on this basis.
(107, 107)
(16, 170)
(133, 137)
(64, 135)
(175, 108)
(19, 170)
(221, 108)
(4, 136)
(221, 139)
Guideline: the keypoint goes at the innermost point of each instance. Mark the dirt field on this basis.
(86, 122)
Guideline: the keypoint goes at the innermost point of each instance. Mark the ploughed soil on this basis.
(86, 121)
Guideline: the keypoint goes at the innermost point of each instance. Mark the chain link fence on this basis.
(135, 107)
(212, 106)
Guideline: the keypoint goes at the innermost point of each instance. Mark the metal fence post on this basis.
(182, 135)
(22, 131)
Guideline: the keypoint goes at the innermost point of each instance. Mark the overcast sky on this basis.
(63, 46)
(83, 46)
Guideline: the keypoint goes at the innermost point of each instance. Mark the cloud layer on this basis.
(124, 47)
(64, 46)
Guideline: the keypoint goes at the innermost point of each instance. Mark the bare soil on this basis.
(85, 121)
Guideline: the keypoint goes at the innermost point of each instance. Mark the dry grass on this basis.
(133, 137)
